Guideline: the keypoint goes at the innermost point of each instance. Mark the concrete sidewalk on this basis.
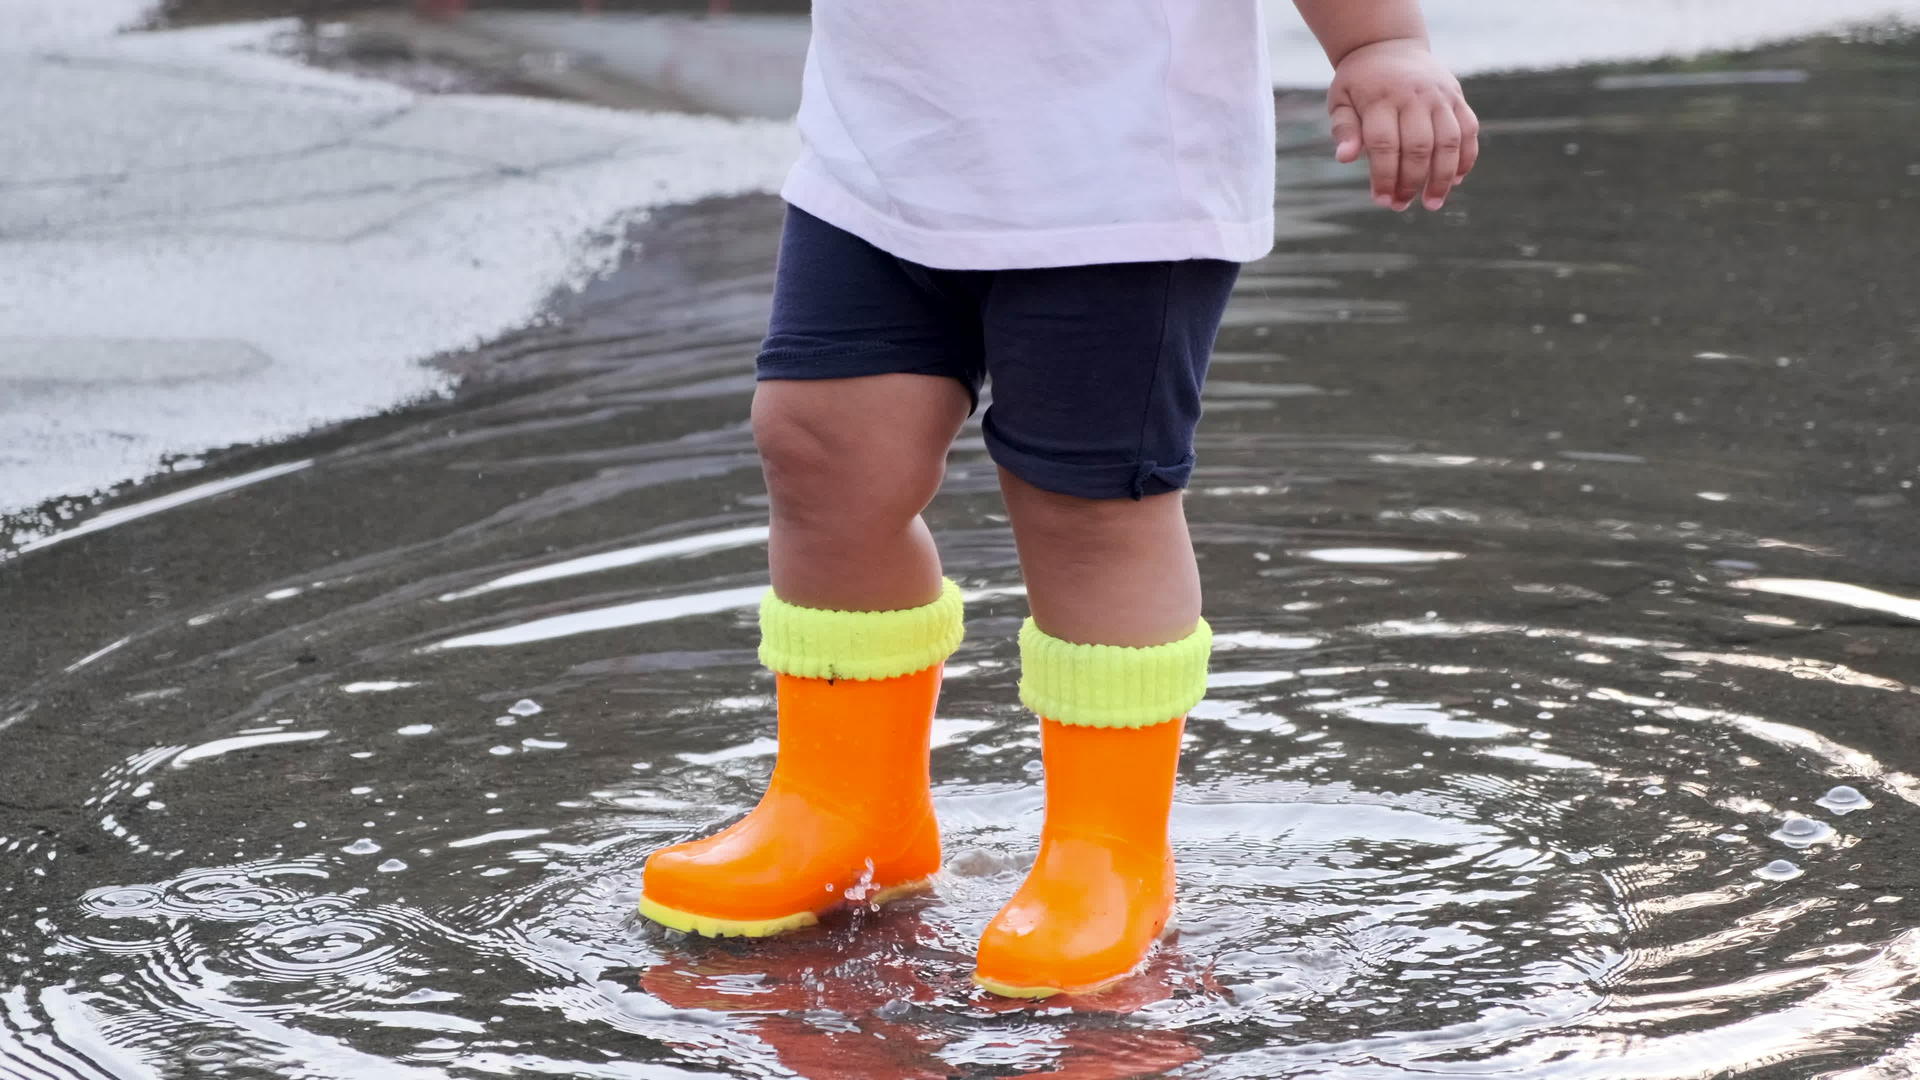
(747, 66)
(203, 243)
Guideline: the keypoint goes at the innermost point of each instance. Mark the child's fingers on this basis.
(1446, 157)
(1346, 133)
(1416, 154)
(1469, 138)
(1380, 131)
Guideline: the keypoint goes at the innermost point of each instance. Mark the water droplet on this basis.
(524, 707)
(391, 865)
(1799, 832)
(862, 888)
(500, 751)
(362, 846)
(413, 729)
(1843, 800)
(1778, 870)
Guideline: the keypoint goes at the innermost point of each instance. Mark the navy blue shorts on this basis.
(1096, 370)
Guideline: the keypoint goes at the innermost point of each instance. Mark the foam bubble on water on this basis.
(1778, 870)
(413, 729)
(1799, 832)
(524, 707)
(362, 846)
(391, 865)
(1843, 799)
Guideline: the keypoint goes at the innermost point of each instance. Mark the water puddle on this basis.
(1561, 724)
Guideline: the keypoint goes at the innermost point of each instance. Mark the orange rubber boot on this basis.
(1101, 889)
(848, 814)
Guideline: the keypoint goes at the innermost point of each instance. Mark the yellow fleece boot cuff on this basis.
(1112, 685)
(816, 643)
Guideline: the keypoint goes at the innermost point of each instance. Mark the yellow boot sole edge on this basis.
(706, 926)
(1034, 993)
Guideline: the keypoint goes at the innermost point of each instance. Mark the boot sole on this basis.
(1034, 993)
(689, 922)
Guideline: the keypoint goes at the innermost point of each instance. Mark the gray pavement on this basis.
(204, 243)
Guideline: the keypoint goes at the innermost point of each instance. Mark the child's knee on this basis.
(794, 448)
(850, 473)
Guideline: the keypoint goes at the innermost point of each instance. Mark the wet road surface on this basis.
(1559, 549)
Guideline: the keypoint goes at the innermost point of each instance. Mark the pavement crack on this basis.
(339, 142)
(314, 199)
(199, 75)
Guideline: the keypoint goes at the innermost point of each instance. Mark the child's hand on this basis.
(1396, 101)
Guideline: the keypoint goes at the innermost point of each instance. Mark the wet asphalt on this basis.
(1553, 451)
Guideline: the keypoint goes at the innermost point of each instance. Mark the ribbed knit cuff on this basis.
(1112, 685)
(816, 643)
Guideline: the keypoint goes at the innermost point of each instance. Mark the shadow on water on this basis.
(1560, 549)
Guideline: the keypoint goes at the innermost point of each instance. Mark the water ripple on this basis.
(1559, 723)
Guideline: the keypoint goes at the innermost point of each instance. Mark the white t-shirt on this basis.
(1003, 134)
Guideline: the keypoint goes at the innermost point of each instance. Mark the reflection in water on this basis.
(611, 560)
(612, 618)
(1543, 739)
(134, 511)
(1835, 593)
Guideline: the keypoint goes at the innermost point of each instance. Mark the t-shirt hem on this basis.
(1025, 249)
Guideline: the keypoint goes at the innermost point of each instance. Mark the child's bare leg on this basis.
(850, 464)
(1100, 573)
(856, 630)
(1105, 571)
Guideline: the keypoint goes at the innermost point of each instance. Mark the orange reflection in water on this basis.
(886, 1003)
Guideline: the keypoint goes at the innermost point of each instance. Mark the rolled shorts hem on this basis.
(1092, 480)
